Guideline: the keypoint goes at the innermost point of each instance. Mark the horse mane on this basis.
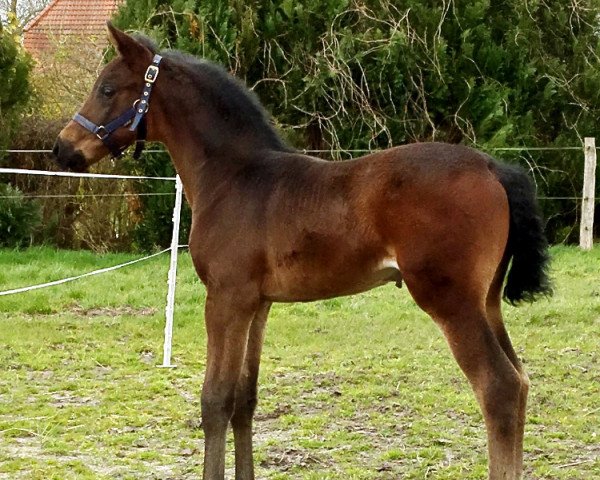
(226, 93)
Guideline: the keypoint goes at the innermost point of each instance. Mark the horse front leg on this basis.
(228, 317)
(246, 397)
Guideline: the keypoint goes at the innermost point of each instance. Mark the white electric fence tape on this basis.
(22, 171)
(88, 274)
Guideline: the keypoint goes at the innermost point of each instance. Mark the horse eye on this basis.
(107, 91)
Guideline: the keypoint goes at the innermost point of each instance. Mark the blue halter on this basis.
(134, 117)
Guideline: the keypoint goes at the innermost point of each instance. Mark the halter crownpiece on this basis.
(134, 117)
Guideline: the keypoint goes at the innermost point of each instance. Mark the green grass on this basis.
(362, 387)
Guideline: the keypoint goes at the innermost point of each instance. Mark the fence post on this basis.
(170, 308)
(586, 231)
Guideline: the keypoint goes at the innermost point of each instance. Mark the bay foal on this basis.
(272, 225)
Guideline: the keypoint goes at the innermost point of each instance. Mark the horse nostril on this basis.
(55, 149)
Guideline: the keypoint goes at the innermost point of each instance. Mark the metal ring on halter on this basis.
(143, 109)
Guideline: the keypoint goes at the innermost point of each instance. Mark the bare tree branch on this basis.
(23, 10)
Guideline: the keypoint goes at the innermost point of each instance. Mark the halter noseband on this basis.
(134, 117)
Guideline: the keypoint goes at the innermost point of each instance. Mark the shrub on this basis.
(19, 217)
(76, 213)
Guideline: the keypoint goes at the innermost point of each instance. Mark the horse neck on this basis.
(203, 162)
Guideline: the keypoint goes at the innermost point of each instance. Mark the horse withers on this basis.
(272, 225)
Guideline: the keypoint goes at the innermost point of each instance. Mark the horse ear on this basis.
(127, 46)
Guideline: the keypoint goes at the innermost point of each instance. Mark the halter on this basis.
(134, 117)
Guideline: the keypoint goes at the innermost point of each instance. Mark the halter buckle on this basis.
(151, 74)
(102, 133)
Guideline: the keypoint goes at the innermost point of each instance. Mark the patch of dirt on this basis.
(283, 459)
(39, 375)
(66, 399)
(112, 311)
(194, 423)
(267, 430)
(31, 447)
(147, 357)
(282, 409)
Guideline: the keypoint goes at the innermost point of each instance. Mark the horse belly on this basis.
(303, 282)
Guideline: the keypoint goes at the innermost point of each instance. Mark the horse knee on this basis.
(217, 408)
(245, 406)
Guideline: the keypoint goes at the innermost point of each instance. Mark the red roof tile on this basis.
(64, 18)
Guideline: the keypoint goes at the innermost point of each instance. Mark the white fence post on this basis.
(586, 230)
(170, 309)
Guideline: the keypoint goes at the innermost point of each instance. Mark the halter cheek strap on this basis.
(134, 117)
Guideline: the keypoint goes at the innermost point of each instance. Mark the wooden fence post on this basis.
(586, 231)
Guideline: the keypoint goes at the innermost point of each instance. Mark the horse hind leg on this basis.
(497, 384)
(494, 317)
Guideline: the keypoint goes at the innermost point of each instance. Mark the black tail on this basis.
(527, 245)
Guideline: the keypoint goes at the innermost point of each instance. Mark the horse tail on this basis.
(527, 245)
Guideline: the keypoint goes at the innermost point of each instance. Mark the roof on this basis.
(68, 18)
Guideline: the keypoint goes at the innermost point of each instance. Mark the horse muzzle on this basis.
(68, 158)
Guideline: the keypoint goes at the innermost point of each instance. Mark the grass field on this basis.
(362, 387)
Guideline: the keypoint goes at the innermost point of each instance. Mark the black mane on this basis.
(227, 95)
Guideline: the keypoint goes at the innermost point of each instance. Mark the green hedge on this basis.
(19, 217)
(350, 74)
